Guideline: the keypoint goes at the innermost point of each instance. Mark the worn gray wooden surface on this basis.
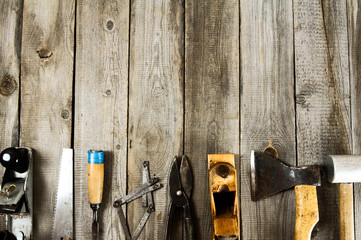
(10, 42)
(155, 134)
(46, 98)
(101, 96)
(322, 96)
(211, 94)
(267, 110)
(147, 80)
(354, 36)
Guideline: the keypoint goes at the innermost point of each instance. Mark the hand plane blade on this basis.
(63, 217)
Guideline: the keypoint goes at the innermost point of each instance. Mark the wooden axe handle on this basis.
(306, 211)
(346, 212)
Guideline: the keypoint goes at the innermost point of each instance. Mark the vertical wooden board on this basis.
(46, 98)
(322, 96)
(101, 106)
(267, 110)
(354, 34)
(10, 42)
(155, 102)
(211, 95)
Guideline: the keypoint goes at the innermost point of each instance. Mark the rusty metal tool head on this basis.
(269, 176)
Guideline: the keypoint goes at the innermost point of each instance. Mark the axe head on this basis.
(269, 176)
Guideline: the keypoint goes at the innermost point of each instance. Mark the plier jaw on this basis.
(180, 187)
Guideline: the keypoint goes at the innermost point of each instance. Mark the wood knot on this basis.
(7, 85)
(65, 114)
(270, 150)
(44, 52)
(301, 100)
(110, 25)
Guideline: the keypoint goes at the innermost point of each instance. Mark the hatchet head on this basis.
(269, 176)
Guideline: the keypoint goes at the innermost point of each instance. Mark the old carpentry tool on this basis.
(224, 196)
(269, 176)
(63, 216)
(180, 189)
(95, 186)
(146, 189)
(16, 192)
(345, 169)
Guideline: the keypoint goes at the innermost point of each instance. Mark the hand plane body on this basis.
(16, 192)
(223, 196)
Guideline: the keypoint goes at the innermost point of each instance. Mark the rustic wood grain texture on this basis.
(267, 111)
(46, 98)
(186, 95)
(354, 36)
(101, 105)
(211, 94)
(156, 82)
(95, 183)
(322, 96)
(10, 42)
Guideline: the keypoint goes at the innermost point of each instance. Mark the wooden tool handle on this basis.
(306, 211)
(95, 176)
(346, 212)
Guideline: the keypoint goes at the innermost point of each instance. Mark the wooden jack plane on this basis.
(223, 196)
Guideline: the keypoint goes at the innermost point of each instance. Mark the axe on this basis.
(270, 176)
(345, 169)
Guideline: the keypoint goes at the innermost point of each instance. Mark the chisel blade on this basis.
(95, 230)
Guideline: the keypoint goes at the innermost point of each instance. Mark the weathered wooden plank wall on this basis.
(147, 80)
(155, 134)
(322, 96)
(46, 97)
(101, 105)
(211, 94)
(354, 36)
(267, 110)
(10, 48)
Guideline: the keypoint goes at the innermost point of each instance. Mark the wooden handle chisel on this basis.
(95, 186)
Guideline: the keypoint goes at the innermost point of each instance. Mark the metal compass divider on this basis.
(150, 185)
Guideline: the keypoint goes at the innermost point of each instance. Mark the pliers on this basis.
(180, 188)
